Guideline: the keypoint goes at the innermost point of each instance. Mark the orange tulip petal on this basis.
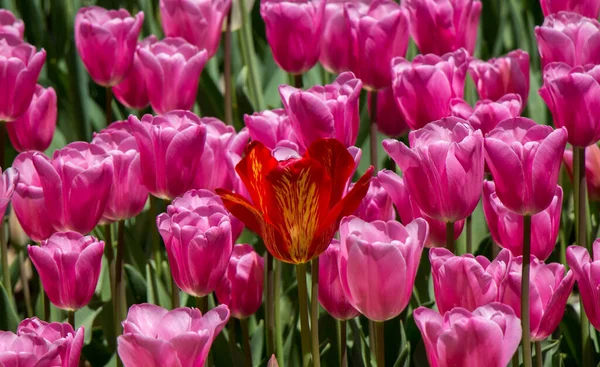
(253, 169)
(242, 210)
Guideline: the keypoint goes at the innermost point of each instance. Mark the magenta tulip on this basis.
(424, 87)
(587, 8)
(487, 113)
(488, 336)
(294, 31)
(9, 24)
(155, 337)
(172, 69)
(272, 128)
(592, 170)
(69, 266)
(8, 183)
(70, 341)
(506, 227)
(106, 41)
(378, 263)
(500, 76)
(198, 22)
(390, 120)
(20, 66)
(586, 273)
(376, 205)
(524, 159)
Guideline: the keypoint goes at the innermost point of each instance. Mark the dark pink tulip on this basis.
(378, 264)
(424, 87)
(20, 66)
(549, 289)
(329, 111)
(592, 169)
(9, 24)
(506, 227)
(106, 41)
(487, 113)
(488, 336)
(390, 120)
(294, 31)
(69, 266)
(197, 233)
(569, 38)
(466, 281)
(503, 75)
(8, 183)
(155, 337)
(524, 159)
(443, 167)
(587, 8)
(376, 205)
(171, 147)
(241, 288)
(172, 69)
(272, 128)
(587, 275)
(35, 128)
(198, 22)
(68, 340)
(379, 35)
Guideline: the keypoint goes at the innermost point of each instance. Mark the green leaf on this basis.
(136, 284)
(85, 317)
(156, 292)
(9, 319)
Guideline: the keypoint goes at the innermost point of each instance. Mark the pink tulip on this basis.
(70, 341)
(197, 21)
(132, 90)
(172, 69)
(409, 210)
(329, 111)
(506, 227)
(379, 35)
(569, 38)
(424, 87)
(9, 24)
(272, 128)
(487, 113)
(592, 169)
(378, 264)
(443, 167)
(586, 273)
(587, 8)
(171, 147)
(69, 266)
(500, 76)
(294, 31)
(273, 362)
(197, 233)
(241, 288)
(20, 66)
(8, 183)
(524, 159)
(106, 41)
(390, 120)
(488, 336)
(376, 205)
(155, 337)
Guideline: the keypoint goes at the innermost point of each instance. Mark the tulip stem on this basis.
(450, 237)
(469, 234)
(380, 343)
(25, 284)
(314, 312)
(231, 335)
(119, 276)
(249, 56)
(154, 237)
(108, 110)
(5, 266)
(246, 339)
(373, 131)
(342, 340)
(525, 291)
(302, 299)
(298, 81)
(227, 71)
(270, 303)
(46, 302)
(277, 313)
(108, 252)
(202, 304)
(538, 354)
(71, 318)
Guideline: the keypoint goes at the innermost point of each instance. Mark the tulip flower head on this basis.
(273, 128)
(9, 24)
(587, 8)
(585, 268)
(487, 113)
(8, 183)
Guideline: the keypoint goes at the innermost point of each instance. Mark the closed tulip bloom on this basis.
(376, 205)
(106, 41)
(20, 66)
(297, 203)
(424, 87)
(69, 266)
(524, 159)
(379, 35)
(488, 336)
(294, 32)
(273, 362)
(197, 21)
(155, 337)
(506, 227)
(592, 169)
(272, 128)
(487, 113)
(390, 120)
(58, 334)
(8, 183)
(241, 288)
(587, 8)
(9, 24)
(503, 75)
(172, 69)
(443, 167)
(586, 273)
(569, 38)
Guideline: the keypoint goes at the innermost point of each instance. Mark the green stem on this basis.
(25, 284)
(469, 234)
(314, 312)
(5, 266)
(108, 252)
(298, 81)
(119, 303)
(373, 131)
(277, 311)
(525, 291)
(231, 335)
(380, 343)
(108, 107)
(46, 302)
(249, 56)
(270, 303)
(342, 341)
(450, 237)
(246, 340)
(372, 339)
(538, 354)
(174, 294)
(71, 317)
(227, 71)
(154, 236)
(304, 328)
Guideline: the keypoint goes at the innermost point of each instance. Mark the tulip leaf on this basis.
(156, 292)
(136, 284)
(85, 317)
(257, 343)
(9, 320)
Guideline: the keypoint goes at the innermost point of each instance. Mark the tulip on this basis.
(20, 66)
(172, 69)
(272, 128)
(587, 8)
(390, 120)
(588, 279)
(569, 38)
(70, 341)
(500, 76)
(424, 87)
(443, 167)
(273, 362)
(487, 113)
(506, 227)
(294, 31)
(155, 337)
(524, 159)
(376, 205)
(198, 22)
(329, 111)
(592, 170)
(241, 288)
(171, 147)
(298, 202)
(379, 35)
(9, 24)
(9, 181)
(69, 266)
(106, 41)
(488, 336)
(378, 263)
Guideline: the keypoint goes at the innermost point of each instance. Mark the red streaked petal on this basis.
(253, 169)
(242, 210)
